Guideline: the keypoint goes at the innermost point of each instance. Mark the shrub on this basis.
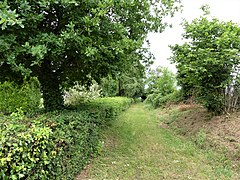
(213, 101)
(80, 94)
(111, 106)
(172, 98)
(26, 149)
(158, 100)
(208, 63)
(55, 145)
(162, 88)
(13, 96)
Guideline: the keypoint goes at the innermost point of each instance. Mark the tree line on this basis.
(64, 41)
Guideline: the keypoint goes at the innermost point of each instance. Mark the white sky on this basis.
(225, 10)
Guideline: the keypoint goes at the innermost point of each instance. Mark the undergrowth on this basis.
(194, 123)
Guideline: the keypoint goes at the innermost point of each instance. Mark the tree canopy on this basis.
(161, 81)
(62, 41)
(209, 61)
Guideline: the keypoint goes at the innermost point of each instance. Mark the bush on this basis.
(80, 94)
(162, 88)
(26, 148)
(13, 96)
(108, 107)
(151, 100)
(55, 145)
(213, 101)
(172, 98)
(158, 100)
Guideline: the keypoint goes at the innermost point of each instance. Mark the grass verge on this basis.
(137, 147)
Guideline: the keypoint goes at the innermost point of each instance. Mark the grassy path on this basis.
(136, 147)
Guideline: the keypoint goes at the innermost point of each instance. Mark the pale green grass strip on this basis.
(136, 147)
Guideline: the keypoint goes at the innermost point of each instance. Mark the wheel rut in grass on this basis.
(136, 147)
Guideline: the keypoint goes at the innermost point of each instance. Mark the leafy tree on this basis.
(207, 61)
(161, 86)
(62, 41)
(109, 86)
(129, 83)
(161, 80)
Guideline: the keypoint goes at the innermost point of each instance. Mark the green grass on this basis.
(136, 147)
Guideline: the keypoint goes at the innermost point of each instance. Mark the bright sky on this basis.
(225, 10)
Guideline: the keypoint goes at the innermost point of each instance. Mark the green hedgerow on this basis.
(13, 96)
(54, 145)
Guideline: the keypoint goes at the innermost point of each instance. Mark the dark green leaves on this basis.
(76, 40)
(9, 17)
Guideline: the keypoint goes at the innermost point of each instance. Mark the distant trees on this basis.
(209, 63)
(64, 41)
(161, 80)
(161, 87)
(129, 83)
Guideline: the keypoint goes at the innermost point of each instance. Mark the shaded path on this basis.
(136, 147)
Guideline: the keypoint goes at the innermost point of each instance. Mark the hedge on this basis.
(54, 145)
(108, 107)
(26, 96)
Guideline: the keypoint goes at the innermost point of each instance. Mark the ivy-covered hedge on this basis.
(54, 145)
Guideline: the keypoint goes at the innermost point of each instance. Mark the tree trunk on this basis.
(120, 89)
(50, 87)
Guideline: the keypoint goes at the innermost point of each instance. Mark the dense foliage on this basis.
(109, 86)
(208, 63)
(64, 41)
(161, 80)
(54, 145)
(129, 83)
(161, 87)
(26, 96)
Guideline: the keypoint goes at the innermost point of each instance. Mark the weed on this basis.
(201, 138)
